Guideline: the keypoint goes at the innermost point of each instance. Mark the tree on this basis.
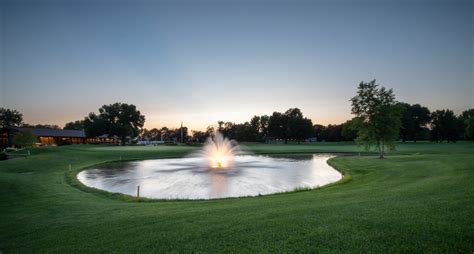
(380, 116)
(290, 125)
(119, 119)
(413, 120)
(76, 125)
(320, 132)
(10, 117)
(299, 128)
(165, 134)
(469, 129)
(200, 136)
(350, 129)
(277, 126)
(264, 126)
(255, 128)
(41, 126)
(24, 139)
(444, 126)
(467, 121)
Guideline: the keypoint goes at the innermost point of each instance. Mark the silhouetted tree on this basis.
(264, 119)
(444, 126)
(277, 126)
(466, 120)
(41, 126)
(120, 119)
(76, 125)
(10, 117)
(350, 129)
(200, 136)
(413, 120)
(320, 132)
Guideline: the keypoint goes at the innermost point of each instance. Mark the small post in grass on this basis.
(138, 191)
(70, 167)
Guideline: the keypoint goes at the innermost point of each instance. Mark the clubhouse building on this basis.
(52, 136)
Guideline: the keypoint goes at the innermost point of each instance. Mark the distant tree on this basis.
(320, 132)
(334, 132)
(467, 124)
(41, 126)
(255, 128)
(350, 129)
(444, 126)
(76, 125)
(413, 120)
(10, 117)
(165, 134)
(200, 136)
(119, 119)
(220, 125)
(467, 114)
(469, 129)
(380, 116)
(289, 125)
(300, 128)
(24, 139)
(277, 126)
(210, 131)
(228, 129)
(245, 132)
(264, 126)
(154, 134)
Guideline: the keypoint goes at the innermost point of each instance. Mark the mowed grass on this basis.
(419, 199)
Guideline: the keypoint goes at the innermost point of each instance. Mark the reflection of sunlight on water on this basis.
(218, 183)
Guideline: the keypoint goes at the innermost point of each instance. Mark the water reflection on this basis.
(188, 178)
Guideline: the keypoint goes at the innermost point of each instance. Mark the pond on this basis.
(189, 178)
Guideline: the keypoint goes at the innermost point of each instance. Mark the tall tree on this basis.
(380, 116)
(10, 117)
(120, 119)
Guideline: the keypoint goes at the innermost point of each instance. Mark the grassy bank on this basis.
(419, 199)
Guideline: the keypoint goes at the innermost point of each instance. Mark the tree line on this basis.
(378, 119)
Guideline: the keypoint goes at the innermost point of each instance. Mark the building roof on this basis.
(53, 132)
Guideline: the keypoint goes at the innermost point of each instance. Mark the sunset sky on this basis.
(204, 61)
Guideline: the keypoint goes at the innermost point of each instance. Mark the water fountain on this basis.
(219, 152)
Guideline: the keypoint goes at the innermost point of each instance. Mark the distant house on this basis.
(52, 136)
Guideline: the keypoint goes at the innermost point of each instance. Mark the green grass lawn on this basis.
(419, 199)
